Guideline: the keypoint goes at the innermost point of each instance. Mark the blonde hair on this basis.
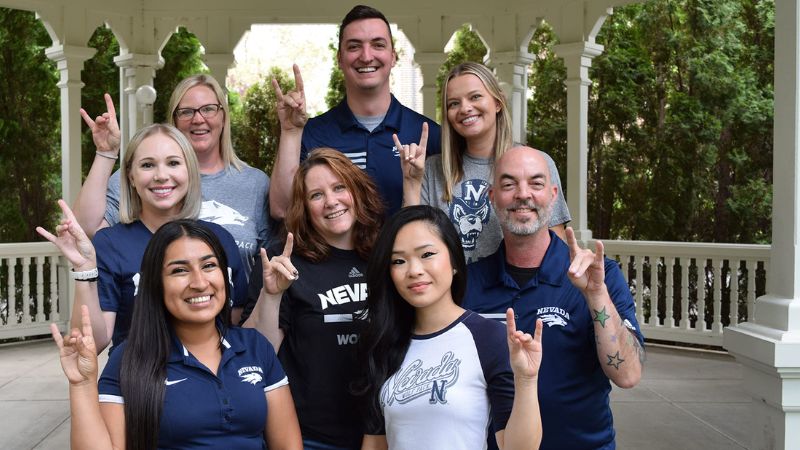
(130, 204)
(225, 143)
(453, 144)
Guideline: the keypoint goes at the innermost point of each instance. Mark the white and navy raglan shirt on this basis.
(451, 384)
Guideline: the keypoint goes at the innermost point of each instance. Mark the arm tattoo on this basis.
(601, 316)
(614, 360)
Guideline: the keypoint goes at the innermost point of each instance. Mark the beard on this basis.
(525, 227)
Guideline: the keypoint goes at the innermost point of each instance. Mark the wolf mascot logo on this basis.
(470, 211)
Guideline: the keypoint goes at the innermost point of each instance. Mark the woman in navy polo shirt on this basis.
(160, 182)
(435, 374)
(314, 287)
(182, 379)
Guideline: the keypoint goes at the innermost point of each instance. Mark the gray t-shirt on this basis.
(235, 200)
(470, 209)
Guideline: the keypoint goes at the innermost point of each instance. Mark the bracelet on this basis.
(86, 275)
(99, 153)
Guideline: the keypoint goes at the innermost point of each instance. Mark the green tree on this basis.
(254, 122)
(680, 120)
(336, 89)
(29, 128)
(102, 75)
(182, 58)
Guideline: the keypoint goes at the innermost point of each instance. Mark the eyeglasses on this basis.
(207, 111)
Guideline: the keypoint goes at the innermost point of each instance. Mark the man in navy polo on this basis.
(362, 125)
(591, 334)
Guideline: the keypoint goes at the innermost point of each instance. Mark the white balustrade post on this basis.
(768, 346)
(219, 64)
(512, 71)
(429, 64)
(578, 59)
(69, 60)
(136, 70)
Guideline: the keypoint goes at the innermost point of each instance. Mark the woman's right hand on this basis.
(105, 129)
(412, 156)
(292, 105)
(72, 241)
(78, 351)
(279, 272)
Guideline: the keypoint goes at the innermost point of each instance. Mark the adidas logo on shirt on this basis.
(354, 273)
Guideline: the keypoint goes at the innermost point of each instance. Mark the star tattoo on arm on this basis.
(601, 316)
(614, 360)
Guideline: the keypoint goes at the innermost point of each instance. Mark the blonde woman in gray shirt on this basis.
(476, 132)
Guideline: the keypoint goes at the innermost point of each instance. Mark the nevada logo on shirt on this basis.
(414, 382)
(251, 374)
(552, 315)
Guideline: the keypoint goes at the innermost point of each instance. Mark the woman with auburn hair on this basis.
(313, 289)
(434, 375)
(160, 182)
(183, 378)
(475, 133)
(234, 195)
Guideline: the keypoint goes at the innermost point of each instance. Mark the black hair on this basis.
(144, 358)
(361, 12)
(385, 341)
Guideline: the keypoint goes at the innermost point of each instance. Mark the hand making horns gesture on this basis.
(412, 156)
(105, 129)
(292, 105)
(525, 351)
(77, 351)
(279, 272)
(71, 240)
(587, 268)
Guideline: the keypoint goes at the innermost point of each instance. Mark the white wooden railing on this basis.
(669, 304)
(696, 290)
(34, 289)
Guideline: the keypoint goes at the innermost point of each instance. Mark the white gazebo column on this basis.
(578, 58)
(512, 71)
(136, 70)
(69, 60)
(768, 345)
(429, 64)
(219, 64)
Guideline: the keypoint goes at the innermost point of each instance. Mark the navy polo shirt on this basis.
(573, 390)
(373, 151)
(120, 250)
(203, 410)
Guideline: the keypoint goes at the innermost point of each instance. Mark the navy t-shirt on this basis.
(373, 151)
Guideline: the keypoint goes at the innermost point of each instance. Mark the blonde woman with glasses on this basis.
(234, 195)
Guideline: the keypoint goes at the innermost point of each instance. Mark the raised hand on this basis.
(71, 240)
(412, 156)
(105, 129)
(525, 351)
(279, 272)
(77, 350)
(292, 105)
(587, 269)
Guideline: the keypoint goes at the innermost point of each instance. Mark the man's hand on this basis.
(292, 105)
(587, 269)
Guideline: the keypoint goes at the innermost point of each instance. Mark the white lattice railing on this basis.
(696, 290)
(34, 289)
